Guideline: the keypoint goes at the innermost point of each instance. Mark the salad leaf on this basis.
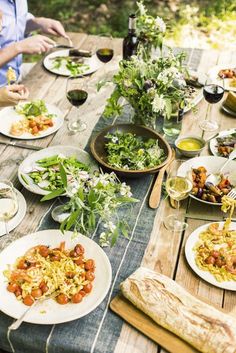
(33, 108)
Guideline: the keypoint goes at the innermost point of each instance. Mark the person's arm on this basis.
(33, 45)
(46, 25)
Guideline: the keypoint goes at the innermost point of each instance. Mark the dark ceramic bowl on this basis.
(98, 151)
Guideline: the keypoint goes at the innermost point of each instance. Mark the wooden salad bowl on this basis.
(98, 151)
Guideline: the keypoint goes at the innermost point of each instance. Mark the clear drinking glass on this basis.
(8, 202)
(104, 47)
(178, 188)
(213, 93)
(77, 94)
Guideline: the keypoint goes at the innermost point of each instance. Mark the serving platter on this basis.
(29, 162)
(93, 63)
(50, 312)
(213, 142)
(16, 220)
(190, 256)
(8, 116)
(212, 165)
(213, 75)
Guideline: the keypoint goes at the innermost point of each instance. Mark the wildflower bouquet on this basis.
(153, 88)
(93, 199)
(151, 31)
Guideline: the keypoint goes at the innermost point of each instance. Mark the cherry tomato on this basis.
(12, 287)
(73, 253)
(79, 261)
(28, 300)
(77, 298)
(22, 264)
(43, 286)
(43, 251)
(215, 253)
(89, 276)
(89, 264)
(62, 299)
(83, 293)
(18, 291)
(210, 260)
(88, 287)
(79, 249)
(55, 257)
(36, 293)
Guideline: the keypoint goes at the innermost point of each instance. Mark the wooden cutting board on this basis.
(148, 327)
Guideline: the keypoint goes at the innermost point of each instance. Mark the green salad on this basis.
(47, 171)
(128, 151)
(75, 67)
(33, 108)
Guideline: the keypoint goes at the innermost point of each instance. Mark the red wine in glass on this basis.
(105, 54)
(213, 93)
(77, 97)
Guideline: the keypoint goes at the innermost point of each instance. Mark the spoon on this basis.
(215, 178)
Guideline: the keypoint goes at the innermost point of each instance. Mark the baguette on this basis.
(171, 306)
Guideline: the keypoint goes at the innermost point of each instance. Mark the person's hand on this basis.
(11, 95)
(50, 26)
(37, 44)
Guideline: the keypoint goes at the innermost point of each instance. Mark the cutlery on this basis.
(215, 178)
(155, 195)
(21, 145)
(62, 46)
(232, 194)
(16, 324)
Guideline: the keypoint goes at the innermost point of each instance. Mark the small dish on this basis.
(98, 151)
(228, 110)
(190, 146)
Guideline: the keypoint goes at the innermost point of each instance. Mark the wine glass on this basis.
(8, 202)
(178, 188)
(212, 93)
(77, 94)
(104, 47)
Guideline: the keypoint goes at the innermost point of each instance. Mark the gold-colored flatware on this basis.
(155, 195)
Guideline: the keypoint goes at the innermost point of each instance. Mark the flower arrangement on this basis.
(152, 88)
(94, 198)
(151, 30)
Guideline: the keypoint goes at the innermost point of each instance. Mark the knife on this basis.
(155, 195)
(21, 145)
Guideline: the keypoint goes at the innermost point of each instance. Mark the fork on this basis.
(232, 194)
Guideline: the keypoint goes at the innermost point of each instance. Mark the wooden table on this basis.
(165, 250)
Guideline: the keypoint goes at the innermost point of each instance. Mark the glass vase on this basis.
(172, 125)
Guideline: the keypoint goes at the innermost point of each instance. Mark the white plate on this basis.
(212, 165)
(213, 142)
(93, 62)
(13, 223)
(8, 116)
(213, 75)
(190, 256)
(29, 162)
(54, 313)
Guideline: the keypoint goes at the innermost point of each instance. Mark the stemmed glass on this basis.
(77, 94)
(8, 202)
(178, 188)
(104, 47)
(213, 93)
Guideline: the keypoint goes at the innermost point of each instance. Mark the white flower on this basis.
(114, 139)
(110, 225)
(125, 190)
(72, 188)
(158, 104)
(141, 8)
(104, 240)
(160, 24)
(83, 175)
